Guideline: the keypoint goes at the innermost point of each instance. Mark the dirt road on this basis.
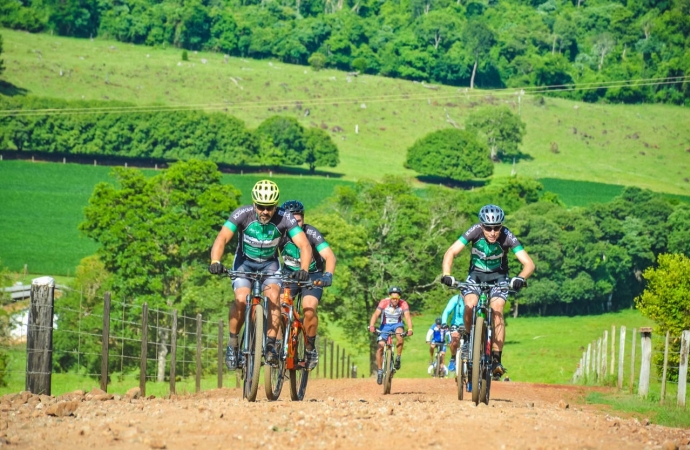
(420, 413)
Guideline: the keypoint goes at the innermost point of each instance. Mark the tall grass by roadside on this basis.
(641, 145)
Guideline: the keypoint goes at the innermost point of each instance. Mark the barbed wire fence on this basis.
(654, 366)
(122, 341)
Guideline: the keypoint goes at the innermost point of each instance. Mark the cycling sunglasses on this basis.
(492, 227)
(265, 207)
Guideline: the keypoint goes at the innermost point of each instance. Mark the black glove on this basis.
(517, 283)
(326, 279)
(301, 275)
(216, 268)
(448, 280)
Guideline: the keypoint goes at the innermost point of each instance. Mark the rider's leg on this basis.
(497, 305)
(454, 343)
(272, 291)
(399, 341)
(236, 314)
(379, 355)
(431, 352)
(311, 320)
(471, 301)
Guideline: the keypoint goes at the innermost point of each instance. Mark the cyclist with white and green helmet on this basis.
(490, 242)
(321, 269)
(260, 228)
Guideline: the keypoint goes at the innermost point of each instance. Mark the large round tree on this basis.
(450, 153)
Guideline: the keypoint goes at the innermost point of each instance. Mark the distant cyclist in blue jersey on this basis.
(453, 316)
(436, 337)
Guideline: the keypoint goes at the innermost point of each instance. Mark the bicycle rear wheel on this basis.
(486, 385)
(299, 376)
(460, 372)
(273, 376)
(479, 339)
(255, 348)
(387, 371)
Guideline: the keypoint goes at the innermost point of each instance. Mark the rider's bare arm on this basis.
(451, 253)
(301, 241)
(221, 241)
(329, 258)
(374, 318)
(527, 264)
(408, 319)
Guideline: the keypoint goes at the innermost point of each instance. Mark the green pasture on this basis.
(42, 205)
(641, 145)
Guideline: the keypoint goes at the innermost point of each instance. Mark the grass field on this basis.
(42, 205)
(641, 145)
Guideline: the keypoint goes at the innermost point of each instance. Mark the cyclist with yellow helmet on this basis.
(261, 226)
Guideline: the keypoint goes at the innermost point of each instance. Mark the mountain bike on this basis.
(292, 347)
(388, 354)
(481, 340)
(256, 319)
(439, 351)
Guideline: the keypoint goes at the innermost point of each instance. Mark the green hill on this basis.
(642, 145)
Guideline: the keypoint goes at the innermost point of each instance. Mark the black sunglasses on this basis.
(265, 207)
(492, 227)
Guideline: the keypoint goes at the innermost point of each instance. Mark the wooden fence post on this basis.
(332, 345)
(39, 337)
(342, 365)
(621, 357)
(646, 363)
(597, 361)
(325, 358)
(105, 341)
(604, 353)
(337, 361)
(665, 369)
(613, 350)
(632, 362)
(348, 364)
(683, 366)
(220, 353)
(144, 347)
(589, 358)
(173, 352)
(198, 353)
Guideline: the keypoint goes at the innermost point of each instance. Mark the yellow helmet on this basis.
(265, 192)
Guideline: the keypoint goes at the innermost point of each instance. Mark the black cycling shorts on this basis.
(314, 291)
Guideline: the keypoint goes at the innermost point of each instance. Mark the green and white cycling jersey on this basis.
(259, 242)
(487, 257)
(291, 254)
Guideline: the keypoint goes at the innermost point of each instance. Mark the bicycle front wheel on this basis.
(439, 370)
(388, 371)
(299, 376)
(479, 340)
(255, 349)
(274, 375)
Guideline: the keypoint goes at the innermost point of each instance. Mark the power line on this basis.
(458, 92)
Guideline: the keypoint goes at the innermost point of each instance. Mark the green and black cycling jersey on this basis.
(291, 254)
(487, 257)
(259, 242)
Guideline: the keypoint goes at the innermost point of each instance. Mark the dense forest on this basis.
(600, 45)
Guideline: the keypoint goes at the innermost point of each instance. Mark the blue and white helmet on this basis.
(491, 215)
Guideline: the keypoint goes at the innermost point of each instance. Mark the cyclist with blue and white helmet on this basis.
(490, 242)
(437, 336)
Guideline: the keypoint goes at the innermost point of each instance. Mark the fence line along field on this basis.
(641, 145)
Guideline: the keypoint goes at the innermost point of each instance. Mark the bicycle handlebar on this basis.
(282, 276)
(483, 285)
(403, 334)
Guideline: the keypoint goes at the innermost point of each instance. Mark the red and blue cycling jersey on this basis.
(390, 314)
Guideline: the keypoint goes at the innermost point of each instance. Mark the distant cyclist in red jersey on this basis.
(391, 310)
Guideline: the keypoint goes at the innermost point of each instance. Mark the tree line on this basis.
(170, 135)
(475, 43)
(589, 260)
